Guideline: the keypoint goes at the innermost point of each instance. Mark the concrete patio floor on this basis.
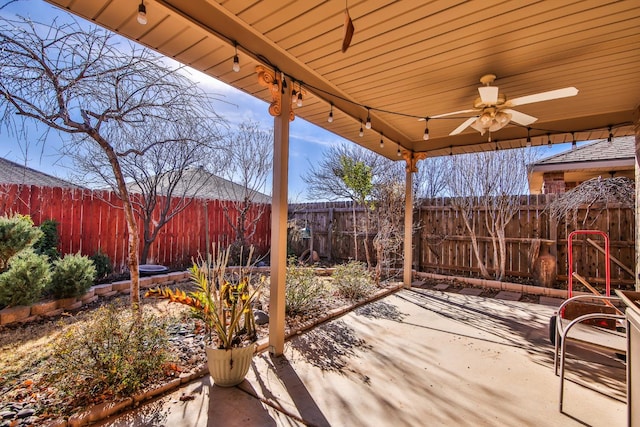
(417, 357)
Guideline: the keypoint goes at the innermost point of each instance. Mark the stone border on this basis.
(52, 308)
(502, 286)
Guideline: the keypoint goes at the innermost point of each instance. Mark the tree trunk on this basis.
(132, 226)
(474, 245)
(366, 238)
(355, 231)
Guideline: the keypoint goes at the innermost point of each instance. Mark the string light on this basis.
(299, 101)
(284, 84)
(361, 132)
(549, 140)
(293, 93)
(236, 60)
(574, 144)
(451, 150)
(381, 141)
(426, 129)
(142, 13)
(399, 153)
(330, 119)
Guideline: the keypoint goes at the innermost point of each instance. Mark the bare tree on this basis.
(491, 182)
(163, 179)
(80, 83)
(430, 180)
(247, 166)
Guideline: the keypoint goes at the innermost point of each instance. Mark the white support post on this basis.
(279, 212)
(408, 229)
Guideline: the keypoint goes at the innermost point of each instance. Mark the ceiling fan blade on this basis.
(520, 118)
(543, 96)
(464, 125)
(450, 114)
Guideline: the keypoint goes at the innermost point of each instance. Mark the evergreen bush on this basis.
(48, 243)
(17, 233)
(72, 276)
(353, 281)
(102, 263)
(24, 281)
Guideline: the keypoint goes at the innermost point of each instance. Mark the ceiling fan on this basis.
(493, 110)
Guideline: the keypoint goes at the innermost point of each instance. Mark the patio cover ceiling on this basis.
(409, 59)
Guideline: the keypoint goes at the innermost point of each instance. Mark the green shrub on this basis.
(48, 243)
(112, 352)
(353, 281)
(72, 276)
(24, 281)
(16, 234)
(102, 263)
(304, 290)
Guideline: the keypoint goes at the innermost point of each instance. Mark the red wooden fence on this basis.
(91, 220)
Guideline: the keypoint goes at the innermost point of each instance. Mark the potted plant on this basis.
(224, 302)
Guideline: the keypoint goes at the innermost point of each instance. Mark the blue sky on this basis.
(307, 141)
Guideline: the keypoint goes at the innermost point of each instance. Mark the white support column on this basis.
(408, 229)
(411, 159)
(282, 112)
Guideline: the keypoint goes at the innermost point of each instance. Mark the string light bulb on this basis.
(399, 153)
(549, 140)
(330, 119)
(299, 100)
(528, 137)
(610, 138)
(361, 132)
(294, 94)
(574, 143)
(451, 150)
(426, 129)
(381, 141)
(236, 60)
(367, 124)
(142, 13)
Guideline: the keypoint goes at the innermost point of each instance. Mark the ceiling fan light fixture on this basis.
(488, 94)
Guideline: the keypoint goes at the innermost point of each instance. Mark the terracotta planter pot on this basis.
(229, 367)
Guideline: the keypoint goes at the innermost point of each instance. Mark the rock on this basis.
(26, 412)
(5, 415)
(262, 318)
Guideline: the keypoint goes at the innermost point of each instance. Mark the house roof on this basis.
(619, 148)
(416, 59)
(15, 173)
(598, 158)
(214, 187)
